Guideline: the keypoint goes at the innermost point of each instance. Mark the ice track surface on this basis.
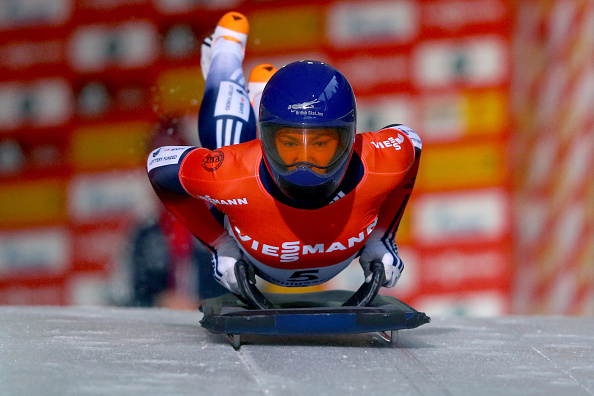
(116, 351)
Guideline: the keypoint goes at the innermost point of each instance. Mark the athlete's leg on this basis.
(226, 116)
(259, 76)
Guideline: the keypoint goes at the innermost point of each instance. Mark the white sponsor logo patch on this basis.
(165, 156)
(232, 101)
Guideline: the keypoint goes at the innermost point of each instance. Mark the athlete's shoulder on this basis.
(395, 135)
(225, 163)
(389, 150)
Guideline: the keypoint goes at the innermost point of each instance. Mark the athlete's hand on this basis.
(228, 253)
(226, 265)
(387, 253)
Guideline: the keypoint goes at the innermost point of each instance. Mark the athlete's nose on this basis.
(302, 155)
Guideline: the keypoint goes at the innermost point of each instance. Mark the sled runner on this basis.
(327, 312)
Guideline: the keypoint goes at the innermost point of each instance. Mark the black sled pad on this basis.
(314, 314)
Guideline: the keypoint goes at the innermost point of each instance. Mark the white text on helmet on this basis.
(304, 105)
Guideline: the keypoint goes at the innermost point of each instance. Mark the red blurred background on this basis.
(501, 92)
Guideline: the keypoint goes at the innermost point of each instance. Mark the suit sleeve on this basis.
(164, 166)
(393, 208)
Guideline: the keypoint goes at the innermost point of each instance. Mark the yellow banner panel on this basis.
(105, 146)
(403, 235)
(486, 112)
(286, 29)
(178, 91)
(454, 166)
(31, 203)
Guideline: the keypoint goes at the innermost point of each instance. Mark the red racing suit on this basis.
(288, 246)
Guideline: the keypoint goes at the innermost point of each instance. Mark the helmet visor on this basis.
(318, 149)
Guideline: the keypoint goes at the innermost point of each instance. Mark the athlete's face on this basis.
(316, 146)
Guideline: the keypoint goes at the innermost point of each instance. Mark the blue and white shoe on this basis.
(233, 27)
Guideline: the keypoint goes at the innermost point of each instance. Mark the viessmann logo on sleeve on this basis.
(391, 142)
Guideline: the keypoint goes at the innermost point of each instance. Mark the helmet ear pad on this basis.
(307, 95)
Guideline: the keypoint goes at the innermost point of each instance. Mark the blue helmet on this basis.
(307, 129)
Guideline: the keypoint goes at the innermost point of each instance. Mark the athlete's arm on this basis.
(381, 244)
(393, 208)
(164, 167)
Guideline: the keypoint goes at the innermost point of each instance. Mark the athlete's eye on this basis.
(288, 144)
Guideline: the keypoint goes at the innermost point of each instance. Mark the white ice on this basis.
(117, 351)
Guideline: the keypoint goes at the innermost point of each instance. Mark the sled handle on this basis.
(367, 292)
(256, 300)
(249, 292)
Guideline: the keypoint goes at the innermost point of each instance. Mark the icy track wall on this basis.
(552, 101)
(501, 219)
